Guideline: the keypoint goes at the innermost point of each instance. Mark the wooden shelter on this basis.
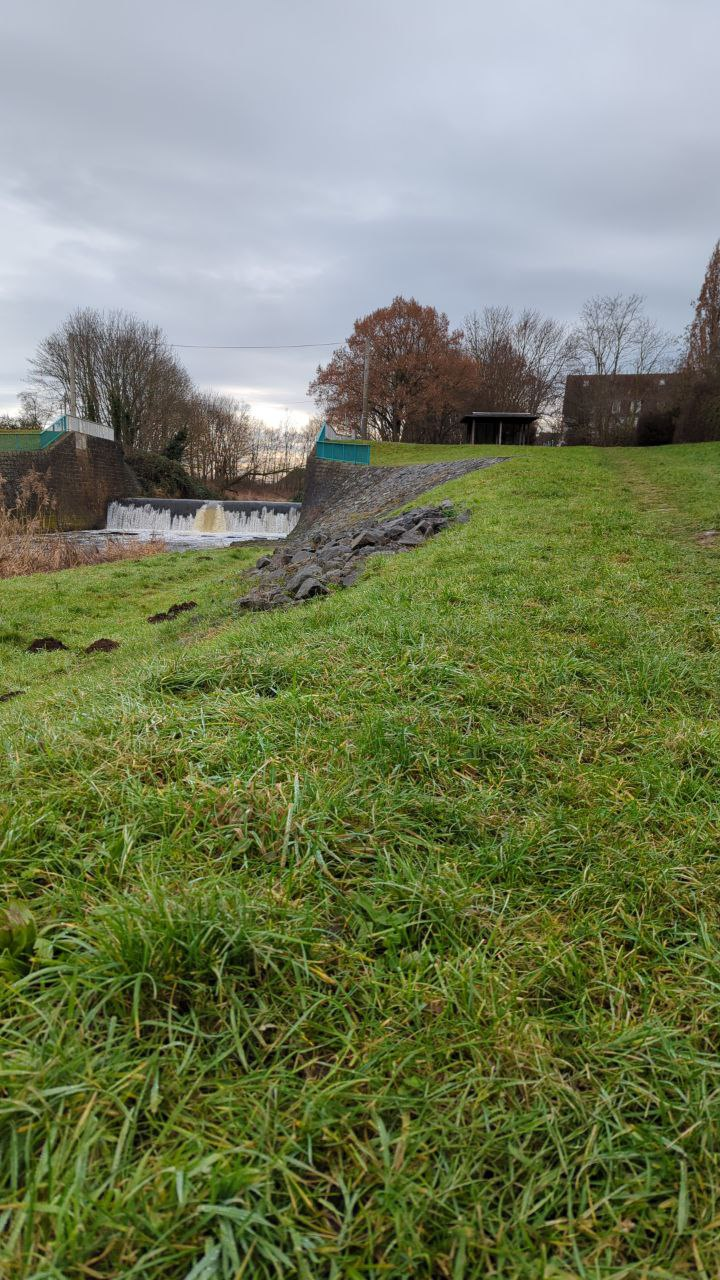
(499, 428)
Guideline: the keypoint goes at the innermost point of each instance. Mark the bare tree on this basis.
(699, 398)
(615, 336)
(34, 409)
(548, 350)
(126, 375)
(219, 433)
(500, 380)
(520, 363)
(275, 451)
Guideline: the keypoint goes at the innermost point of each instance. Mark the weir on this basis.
(190, 517)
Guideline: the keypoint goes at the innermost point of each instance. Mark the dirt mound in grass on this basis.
(173, 611)
(45, 644)
(102, 646)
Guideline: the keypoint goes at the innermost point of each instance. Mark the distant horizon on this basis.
(273, 415)
(266, 408)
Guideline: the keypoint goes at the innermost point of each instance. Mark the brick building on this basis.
(601, 408)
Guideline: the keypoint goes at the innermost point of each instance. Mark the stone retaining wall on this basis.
(339, 494)
(81, 473)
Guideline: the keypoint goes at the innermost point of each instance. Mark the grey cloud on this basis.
(266, 171)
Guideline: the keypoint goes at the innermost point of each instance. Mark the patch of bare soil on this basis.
(102, 646)
(45, 644)
(173, 611)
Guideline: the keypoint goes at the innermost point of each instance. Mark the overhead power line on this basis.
(274, 346)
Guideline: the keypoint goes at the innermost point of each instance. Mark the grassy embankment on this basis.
(379, 938)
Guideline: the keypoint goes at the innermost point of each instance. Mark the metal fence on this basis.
(339, 450)
(27, 441)
(84, 426)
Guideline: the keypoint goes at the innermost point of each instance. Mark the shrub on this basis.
(699, 417)
(656, 426)
(165, 477)
(176, 446)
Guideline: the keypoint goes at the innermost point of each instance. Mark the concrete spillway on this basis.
(183, 518)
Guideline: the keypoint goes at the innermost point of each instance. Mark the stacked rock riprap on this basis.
(293, 574)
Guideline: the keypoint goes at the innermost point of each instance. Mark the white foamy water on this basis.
(212, 521)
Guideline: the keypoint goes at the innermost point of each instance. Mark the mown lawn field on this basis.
(379, 938)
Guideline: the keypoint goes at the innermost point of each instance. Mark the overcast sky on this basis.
(264, 171)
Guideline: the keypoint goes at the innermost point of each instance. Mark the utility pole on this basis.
(366, 381)
(71, 362)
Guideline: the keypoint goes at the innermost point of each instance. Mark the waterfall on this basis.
(168, 518)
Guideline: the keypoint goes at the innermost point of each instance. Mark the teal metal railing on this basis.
(84, 427)
(27, 441)
(341, 450)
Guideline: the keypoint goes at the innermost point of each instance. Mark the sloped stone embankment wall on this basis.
(340, 494)
(342, 524)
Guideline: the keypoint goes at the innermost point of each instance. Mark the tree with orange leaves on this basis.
(420, 381)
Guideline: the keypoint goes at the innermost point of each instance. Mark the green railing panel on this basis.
(27, 441)
(338, 450)
(349, 451)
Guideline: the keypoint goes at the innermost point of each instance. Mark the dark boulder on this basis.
(334, 559)
(367, 538)
(302, 575)
(309, 588)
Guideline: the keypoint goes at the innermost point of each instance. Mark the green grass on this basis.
(399, 455)
(378, 938)
(111, 601)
